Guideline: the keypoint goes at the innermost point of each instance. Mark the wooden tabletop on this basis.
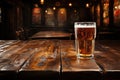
(74, 68)
(107, 55)
(51, 35)
(56, 60)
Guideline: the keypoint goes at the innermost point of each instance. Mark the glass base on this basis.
(84, 57)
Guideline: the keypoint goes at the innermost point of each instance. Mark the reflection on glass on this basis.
(116, 12)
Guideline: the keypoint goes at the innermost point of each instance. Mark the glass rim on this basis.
(85, 24)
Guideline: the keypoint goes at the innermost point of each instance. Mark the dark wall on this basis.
(7, 27)
(15, 18)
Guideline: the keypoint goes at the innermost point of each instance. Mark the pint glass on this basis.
(85, 33)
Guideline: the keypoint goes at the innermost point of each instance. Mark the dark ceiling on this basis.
(61, 2)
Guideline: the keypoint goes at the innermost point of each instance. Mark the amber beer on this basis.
(85, 33)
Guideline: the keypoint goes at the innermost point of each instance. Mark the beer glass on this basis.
(85, 33)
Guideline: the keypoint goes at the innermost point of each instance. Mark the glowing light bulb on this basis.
(87, 5)
(54, 8)
(70, 4)
(42, 1)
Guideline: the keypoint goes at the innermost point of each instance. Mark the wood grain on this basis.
(74, 68)
(45, 63)
(107, 56)
(56, 59)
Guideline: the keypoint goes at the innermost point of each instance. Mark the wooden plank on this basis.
(11, 49)
(6, 45)
(6, 68)
(107, 55)
(2, 42)
(18, 53)
(115, 44)
(41, 58)
(13, 58)
(74, 68)
(6, 42)
(44, 64)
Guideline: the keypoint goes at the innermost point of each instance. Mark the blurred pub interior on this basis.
(20, 19)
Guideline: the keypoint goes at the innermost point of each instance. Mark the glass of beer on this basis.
(85, 34)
